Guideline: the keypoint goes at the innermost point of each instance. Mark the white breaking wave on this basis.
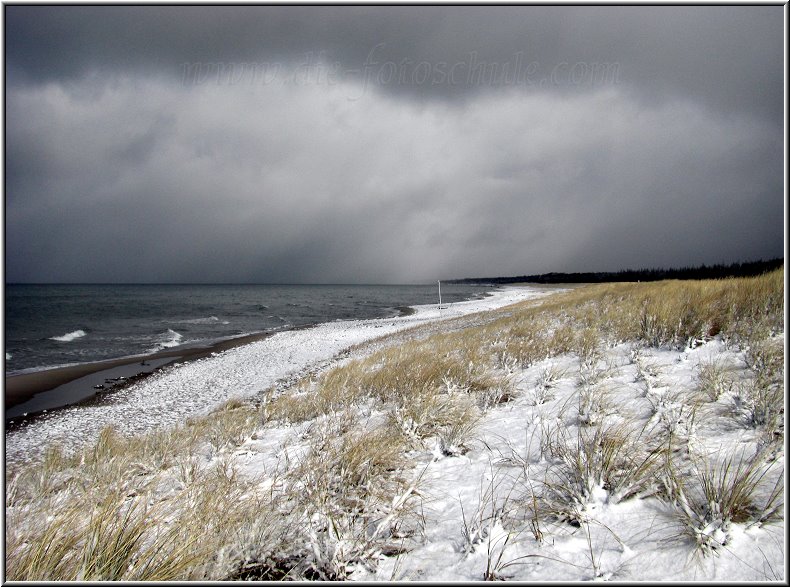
(68, 337)
(173, 340)
(209, 320)
(8, 356)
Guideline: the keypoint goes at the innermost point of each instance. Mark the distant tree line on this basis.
(702, 272)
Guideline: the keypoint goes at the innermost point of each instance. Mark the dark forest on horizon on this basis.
(748, 269)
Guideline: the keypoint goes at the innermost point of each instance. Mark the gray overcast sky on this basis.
(388, 144)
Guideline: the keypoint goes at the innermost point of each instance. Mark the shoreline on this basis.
(173, 393)
(21, 388)
(25, 387)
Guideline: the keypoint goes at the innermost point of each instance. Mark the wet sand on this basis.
(21, 388)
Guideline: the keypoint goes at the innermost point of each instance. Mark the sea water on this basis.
(54, 325)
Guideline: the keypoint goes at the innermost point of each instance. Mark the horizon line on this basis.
(220, 283)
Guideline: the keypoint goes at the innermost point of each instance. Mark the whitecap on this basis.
(69, 336)
(8, 356)
(172, 338)
(209, 320)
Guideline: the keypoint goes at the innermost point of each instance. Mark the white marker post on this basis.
(440, 296)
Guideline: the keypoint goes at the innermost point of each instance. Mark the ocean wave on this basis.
(8, 356)
(209, 320)
(173, 338)
(69, 336)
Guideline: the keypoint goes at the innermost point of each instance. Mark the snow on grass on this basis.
(481, 519)
(591, 436)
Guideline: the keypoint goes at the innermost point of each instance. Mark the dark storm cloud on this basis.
(727, 56)
(61, 42)
(127, 161)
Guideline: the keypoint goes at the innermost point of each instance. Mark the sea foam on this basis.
(209, 320)
(68, 337)
(173, 338)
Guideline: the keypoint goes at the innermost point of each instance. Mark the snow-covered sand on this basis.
(175, 393)
(633, 540)
(465, 498)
